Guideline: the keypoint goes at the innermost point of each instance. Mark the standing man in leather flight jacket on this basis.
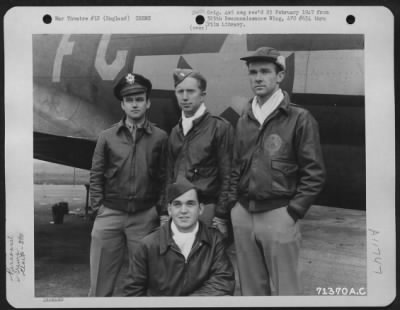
(277, 173)
(126, 184)
(199, 149)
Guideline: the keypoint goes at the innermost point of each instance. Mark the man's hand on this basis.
(221, 225)
(164, 219)
(95, 212)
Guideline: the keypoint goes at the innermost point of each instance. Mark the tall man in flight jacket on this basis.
(199, 148)
(126, 182)
(277, 172)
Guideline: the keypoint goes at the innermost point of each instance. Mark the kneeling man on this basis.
(184, 257)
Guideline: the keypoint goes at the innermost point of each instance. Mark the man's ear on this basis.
(280, 76)
(169, 209)
(201, 208)
(148, 104)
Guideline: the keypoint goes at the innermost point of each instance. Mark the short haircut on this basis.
(148, 94)
(200, 196)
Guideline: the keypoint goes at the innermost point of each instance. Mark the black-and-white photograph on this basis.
(199, 164)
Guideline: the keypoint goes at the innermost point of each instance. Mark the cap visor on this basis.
(259, 58)
(132, 90)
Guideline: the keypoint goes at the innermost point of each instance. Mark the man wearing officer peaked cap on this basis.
(126, 184)
(199, 148)
(277, 173)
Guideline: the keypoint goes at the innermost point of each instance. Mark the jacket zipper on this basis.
(196, 247)
(185, 146)
(261, 131)
(263, 126)
(184, 264)
(132, 168)
(182, 153)
(194, 250)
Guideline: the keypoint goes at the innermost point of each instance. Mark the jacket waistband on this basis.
(262, 205)
(129, 206)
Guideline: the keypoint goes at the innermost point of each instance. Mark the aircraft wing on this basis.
(70, 151)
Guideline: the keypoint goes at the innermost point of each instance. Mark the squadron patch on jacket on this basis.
(273, 144)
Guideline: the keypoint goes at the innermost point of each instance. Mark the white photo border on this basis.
(380, 141)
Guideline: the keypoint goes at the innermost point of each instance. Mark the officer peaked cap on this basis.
(130, 84)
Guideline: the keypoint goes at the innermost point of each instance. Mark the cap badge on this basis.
(182, 74)
(130, 79)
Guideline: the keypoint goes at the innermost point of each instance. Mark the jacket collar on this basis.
(166, 240)
(196, 121)
(147, 125)
(284, 105)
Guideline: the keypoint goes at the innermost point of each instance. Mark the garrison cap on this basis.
(181, 74)
(178, 188)
(269, 54)
(132, 83)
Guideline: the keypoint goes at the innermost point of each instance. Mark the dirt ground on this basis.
(333, 250)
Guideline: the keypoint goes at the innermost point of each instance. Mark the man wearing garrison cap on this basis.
(126, 183)
(184, 257)
(199, 148)
(277, 173)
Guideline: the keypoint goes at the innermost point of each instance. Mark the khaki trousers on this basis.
(114, 231)
(267, 250)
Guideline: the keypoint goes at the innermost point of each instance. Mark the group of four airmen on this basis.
(169, 199)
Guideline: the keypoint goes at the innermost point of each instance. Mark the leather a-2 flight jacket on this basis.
(127, 173)
(277, 163)
(204, 157)
(159, 268)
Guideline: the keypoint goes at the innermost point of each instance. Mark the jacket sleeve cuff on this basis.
(220, 220)
(222, 216)
(292, 213)
(96, 206)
